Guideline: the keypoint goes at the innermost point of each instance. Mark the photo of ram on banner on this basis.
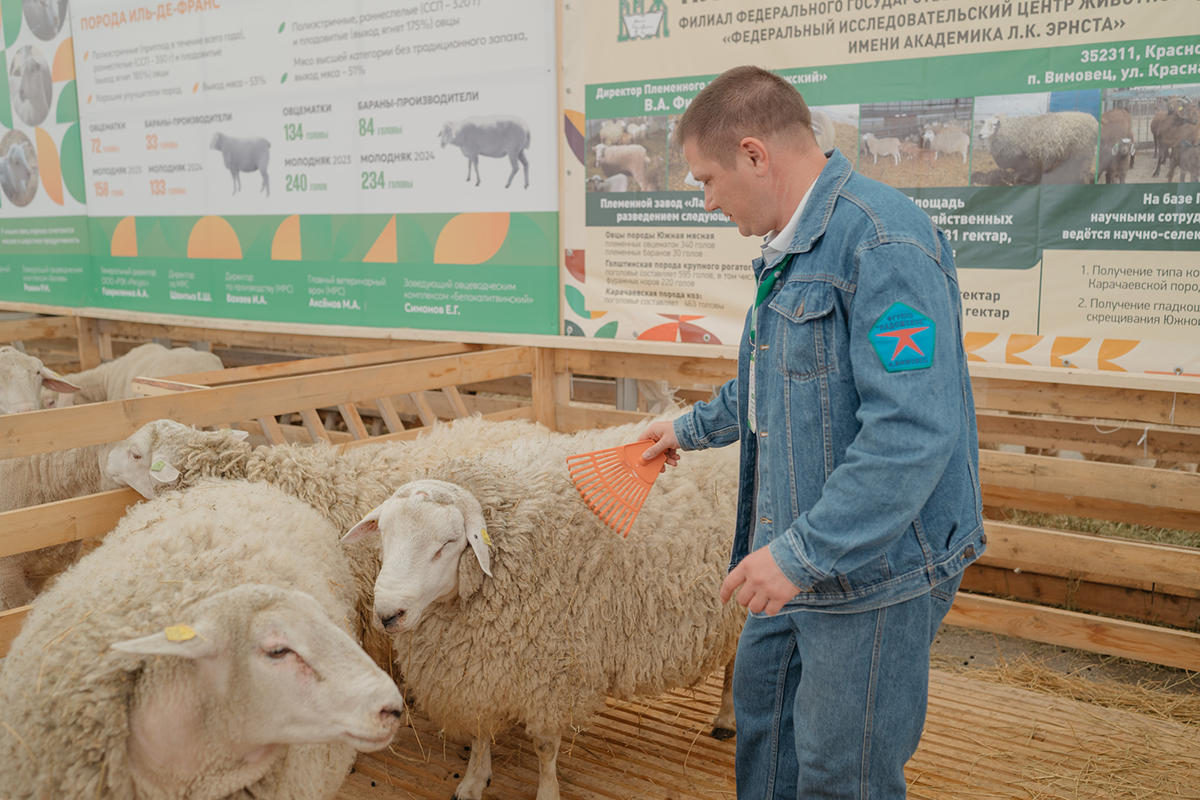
(372, 163)
(1051, 140)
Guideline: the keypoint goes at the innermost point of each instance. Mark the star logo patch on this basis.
(903, 338)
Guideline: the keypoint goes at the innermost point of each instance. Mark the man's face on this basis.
(737, 191)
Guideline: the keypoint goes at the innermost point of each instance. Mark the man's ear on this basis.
(755, 151)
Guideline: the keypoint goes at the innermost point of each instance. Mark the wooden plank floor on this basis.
(982, 741)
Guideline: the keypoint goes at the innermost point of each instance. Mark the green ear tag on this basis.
(157, 466)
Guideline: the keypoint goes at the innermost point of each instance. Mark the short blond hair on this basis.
(740, 102)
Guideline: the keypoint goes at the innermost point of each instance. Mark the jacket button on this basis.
(800, 310)
(983, 539)
(764, 520)
(969, 552)
(763, 434)
(763, 346)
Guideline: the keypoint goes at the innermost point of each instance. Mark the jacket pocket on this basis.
(807, 339)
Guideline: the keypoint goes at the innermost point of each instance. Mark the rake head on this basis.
(614, 483)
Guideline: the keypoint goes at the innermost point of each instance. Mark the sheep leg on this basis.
(479, 771)
(512, 160)
(475, 161)
(236, 183)
(468, 169)
(1162, 156)
(547, 750)
(525, 163)
(897, 157)
(725, 724)
(266, 187)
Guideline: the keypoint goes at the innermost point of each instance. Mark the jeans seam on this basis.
(780, 684)
(868, 717)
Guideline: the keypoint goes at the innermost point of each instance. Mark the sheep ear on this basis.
(368, 524)
(57, 383)
(163, 472)
(1115, 148)
(239, 436)
(476, 530)
(175, 640)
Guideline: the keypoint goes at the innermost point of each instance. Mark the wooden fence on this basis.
(1052, 585)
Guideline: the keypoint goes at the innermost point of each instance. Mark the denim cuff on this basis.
(792, 563)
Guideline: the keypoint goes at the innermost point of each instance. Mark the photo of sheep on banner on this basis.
(29, 86)
(917, 144)
(18, 168)
(1035, 139)
(45, 18)
(626, 155)
(1150, 134)
(244, 154)
(494, 137)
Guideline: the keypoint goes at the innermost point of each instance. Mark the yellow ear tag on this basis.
(157, 466)
(486, 539)
(179, 633)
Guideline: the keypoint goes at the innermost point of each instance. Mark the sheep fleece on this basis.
(67, 695)
(575, 612)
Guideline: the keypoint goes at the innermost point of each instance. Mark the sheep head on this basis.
(146, 461)
(252, 668)
(22, 379)
(425, 526)
(449, 133)
(215, 144)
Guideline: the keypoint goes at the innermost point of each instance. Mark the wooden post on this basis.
(543, 388)
(87, 332)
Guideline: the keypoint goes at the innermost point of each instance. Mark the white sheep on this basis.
(205, 650)
(493, 566)
(889, 146)
(822, 128)
(617, 183)
(948, 141)
(494, 137)
(1059, 147)
(22, 378)
(612, 132)
(34, 90)
(342, 486)
(637, 132)
(244, 155)
(15, 172)
(113, 380)
(630, 159)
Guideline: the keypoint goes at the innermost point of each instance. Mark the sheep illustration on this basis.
(244, 155)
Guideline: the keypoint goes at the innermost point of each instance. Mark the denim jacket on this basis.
(862, 474)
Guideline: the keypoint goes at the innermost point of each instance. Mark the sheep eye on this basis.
(278, 652)
(136, 456)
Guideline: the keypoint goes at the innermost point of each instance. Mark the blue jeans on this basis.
(832, 705)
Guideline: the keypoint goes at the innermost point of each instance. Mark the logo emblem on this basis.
(638, 22)
(903, 338)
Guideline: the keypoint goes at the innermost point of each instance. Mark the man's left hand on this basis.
(764, 587)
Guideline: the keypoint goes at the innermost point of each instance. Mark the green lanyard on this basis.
(764, 289)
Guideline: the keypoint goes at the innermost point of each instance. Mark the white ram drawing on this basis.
(494, 137)
(244, 155)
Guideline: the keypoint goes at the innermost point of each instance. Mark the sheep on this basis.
(493, 137)
(113, 380)
(612, 131)
(822, 128)
(1116, 144)
(1189, 162)
(1159, 117)
(637, 132)
(15, 172)
(910, 150)
(22, 378)
(1059, 147)
(630, 159)
(948, 141)
(34, 90)
(617, 183)
(493, 566)
(343, 487)
(1181, 126)
(244, 155)
(203, 651)
(885, 147)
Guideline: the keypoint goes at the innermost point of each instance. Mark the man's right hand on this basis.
(663, 434)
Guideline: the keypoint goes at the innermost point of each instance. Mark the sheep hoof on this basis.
(723, 734)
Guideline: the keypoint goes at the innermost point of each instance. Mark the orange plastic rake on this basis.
(614, 483)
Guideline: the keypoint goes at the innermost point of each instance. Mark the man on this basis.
(859, 503)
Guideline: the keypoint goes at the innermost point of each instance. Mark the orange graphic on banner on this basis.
(1064, 346)
(1111, 350)
(976, 341)
(213, 237)
(49, 166)
(1019, 343)
(64, 62)
(384, 250)
(471, 238)
(286, 244)
(124, 238)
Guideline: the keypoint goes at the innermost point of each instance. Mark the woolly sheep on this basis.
(822, 128)
(612, 131)
(889, 146)
(22, 378)
(637, 132)
(244, 155)
(270, 697)
(948, 142)
(113, 380)
(1059, 147)
(342, 487)
(15, 172)
(493, 137)
(630, 159)
(617, 183)
(494, 565)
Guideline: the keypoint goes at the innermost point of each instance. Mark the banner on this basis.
(304, 161)
(1045, 137)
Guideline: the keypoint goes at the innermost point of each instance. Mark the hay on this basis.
(1100, 527)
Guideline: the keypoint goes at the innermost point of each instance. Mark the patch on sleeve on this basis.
(903, 338)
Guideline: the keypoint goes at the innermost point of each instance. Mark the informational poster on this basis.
(1051, 140)
(44, 254)
(373, 163)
